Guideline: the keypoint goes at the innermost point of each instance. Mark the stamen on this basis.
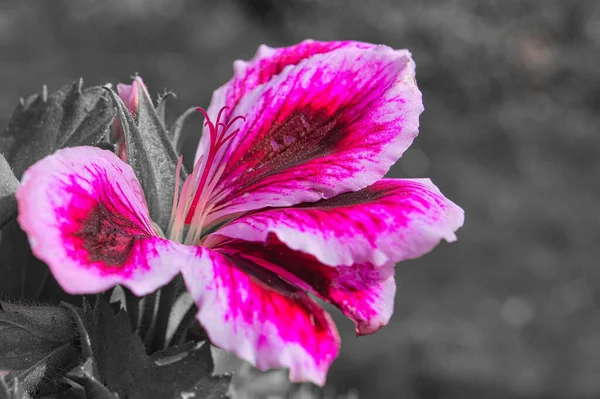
(217, 139)
(192, 206)
(176, 193)
(175, 233)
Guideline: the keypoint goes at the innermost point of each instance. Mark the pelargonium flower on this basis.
(286, 200)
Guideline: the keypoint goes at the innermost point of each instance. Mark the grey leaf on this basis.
(46, 122)
(151, 155)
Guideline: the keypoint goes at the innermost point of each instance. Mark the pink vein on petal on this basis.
(333, 123)
(260, 317)
(86, 217)
(392, 220)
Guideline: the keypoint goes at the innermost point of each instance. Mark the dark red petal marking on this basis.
(389, 221)
(363, 292)
(99, 228)
(267, 63)
(333, 123)
(86, 216)
(254, 313)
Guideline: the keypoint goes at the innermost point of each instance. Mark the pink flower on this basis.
(287, 198)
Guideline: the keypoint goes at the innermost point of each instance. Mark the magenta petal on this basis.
(392, 220)
(332, 123)
(363, 292)
(86, 217)
(266, 63)
(260, 317)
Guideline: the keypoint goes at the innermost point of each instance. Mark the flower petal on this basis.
(86, 217)
(130, 93)
(333, 123)
(260, 317)
(392, 220)
(363, 292)
(266, 63)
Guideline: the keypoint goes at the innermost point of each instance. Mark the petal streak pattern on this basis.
(332, 123)
(86, 217)
(363, 292)
(266, 63)
(260, 317)
(392, 220)
(286, 201)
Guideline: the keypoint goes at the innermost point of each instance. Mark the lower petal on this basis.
(392, 220)
(85, 215)
(260, 317)
(363, 292)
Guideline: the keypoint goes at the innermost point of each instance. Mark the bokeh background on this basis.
(510, 132)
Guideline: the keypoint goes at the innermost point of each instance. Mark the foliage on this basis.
(93, 352)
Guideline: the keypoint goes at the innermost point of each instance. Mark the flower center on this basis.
(192, 205)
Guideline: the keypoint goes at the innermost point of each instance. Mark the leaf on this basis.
(45, 122)
(8, 186)
(37, 343)
(50, 323)
(161, 106)
(18, 391)
(39, 126)
(94, 389)
(177, 128)
(121, 363)
(151, 155)
(22, 275)
(42, 374)
(182, 364)
(156, 338)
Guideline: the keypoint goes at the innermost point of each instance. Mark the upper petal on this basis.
(86, 217)
(260, 317)
(266, 63)
(392, 220)
(334, 122)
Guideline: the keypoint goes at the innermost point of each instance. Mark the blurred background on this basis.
(510, 132)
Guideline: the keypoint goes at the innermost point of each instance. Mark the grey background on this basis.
(510, 132)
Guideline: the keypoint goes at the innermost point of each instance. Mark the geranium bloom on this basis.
(287, 198)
